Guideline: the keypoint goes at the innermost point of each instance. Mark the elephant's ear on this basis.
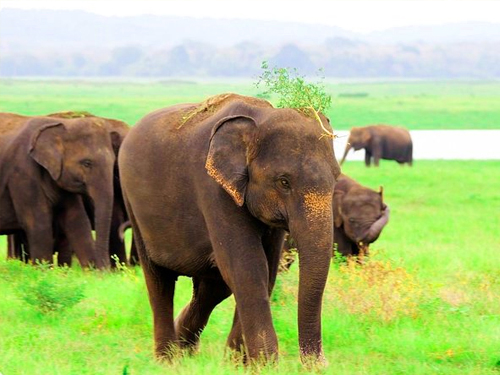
(381, 193)
(366, 135)
(47, 148)
(338, 195)
(116, 141)
(227, 159)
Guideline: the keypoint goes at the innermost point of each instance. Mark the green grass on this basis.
(416, 105)
(426, 303)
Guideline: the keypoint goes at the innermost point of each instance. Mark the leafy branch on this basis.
(294, 92)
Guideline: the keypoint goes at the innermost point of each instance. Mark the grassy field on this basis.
(416, 105)
(427, 302)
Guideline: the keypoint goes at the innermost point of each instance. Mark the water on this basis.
(440, 144)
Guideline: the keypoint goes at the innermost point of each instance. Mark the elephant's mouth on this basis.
(278, 223)
(74, 186)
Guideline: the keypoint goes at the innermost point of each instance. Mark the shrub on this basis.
(43, 287)
(294, 92)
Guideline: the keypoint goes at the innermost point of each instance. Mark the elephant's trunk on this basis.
(376, 228)
(314, 237)
(102, 197)
(347, 149)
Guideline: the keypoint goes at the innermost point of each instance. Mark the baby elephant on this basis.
(381, 142)
(359, 215)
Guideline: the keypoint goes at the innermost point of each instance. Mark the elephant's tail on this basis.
(122, 228)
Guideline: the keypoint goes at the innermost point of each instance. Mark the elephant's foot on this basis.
(188, 341)
(167, 351)
(240, 354)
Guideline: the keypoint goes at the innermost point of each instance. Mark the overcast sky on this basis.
(354, 15)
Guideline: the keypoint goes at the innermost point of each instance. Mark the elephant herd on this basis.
(210, 190)
(58, 181)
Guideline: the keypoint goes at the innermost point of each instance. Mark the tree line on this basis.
(338, 57)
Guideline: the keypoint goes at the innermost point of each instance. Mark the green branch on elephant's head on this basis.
(294, 92)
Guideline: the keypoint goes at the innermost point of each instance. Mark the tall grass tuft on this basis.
(376, 289)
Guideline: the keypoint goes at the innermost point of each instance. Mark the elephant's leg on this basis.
(345, 245)
(36, 216)
(41, 242)
(15, 246)
(273, 245)
(409, 155)
(75, 224)
(244, 267)
(376, 150)
(63, 249)
(410, 158)
(368, 157)
(207, 293)
(160, 283)
(235, 339)
(23, 246)
(11, 247)
(116, 245)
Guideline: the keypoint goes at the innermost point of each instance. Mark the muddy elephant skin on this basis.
(381, 142)
(220, 183)
(46, 166)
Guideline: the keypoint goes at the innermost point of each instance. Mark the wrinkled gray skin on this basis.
(46, 165)
(217, 193)
(359, 216)
(381, 142)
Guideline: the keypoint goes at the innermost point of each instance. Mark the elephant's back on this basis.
(11, 122)
(158, 149)
(395, 133)
(159, 132)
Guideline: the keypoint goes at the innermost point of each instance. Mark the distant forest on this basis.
(337, 58)
(79, 44)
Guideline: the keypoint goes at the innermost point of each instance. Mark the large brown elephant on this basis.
(381, 142)
(210, 190)
(359, 215)
(17, 243)
(46, 165)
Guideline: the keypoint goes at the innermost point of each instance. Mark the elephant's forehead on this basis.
(363, 200)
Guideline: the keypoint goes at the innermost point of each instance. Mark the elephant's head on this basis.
(78, 156)
(358, 138)
(276, 164)
(361, 212)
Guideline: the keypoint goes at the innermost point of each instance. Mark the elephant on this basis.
(210, 189)
(381, 142)
(46, 166)
(359, 216)
(17, 243)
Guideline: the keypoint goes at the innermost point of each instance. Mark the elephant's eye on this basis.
(351, 220)
(86, 163)
(284, 183)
